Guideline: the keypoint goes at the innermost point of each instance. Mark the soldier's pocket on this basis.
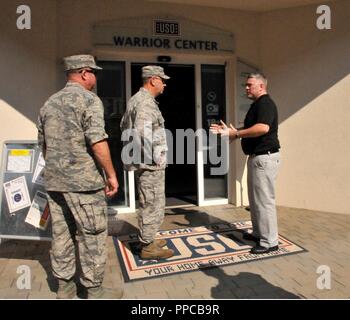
(93, 213)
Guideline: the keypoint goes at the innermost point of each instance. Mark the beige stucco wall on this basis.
(28, 67)
(309, 78)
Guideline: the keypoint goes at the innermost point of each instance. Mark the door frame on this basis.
(229, 61)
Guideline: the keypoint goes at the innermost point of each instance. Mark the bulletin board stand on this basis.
(24, 210)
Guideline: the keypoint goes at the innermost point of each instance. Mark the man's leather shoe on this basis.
(260, 249)
(250, 237)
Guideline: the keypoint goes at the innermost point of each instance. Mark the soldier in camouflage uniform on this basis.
(143, 125)
(78, 175)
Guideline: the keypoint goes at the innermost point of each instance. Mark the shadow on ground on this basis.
(39, 251)
(192, 218)
(244, 285)
(30, 250)
(186, 218)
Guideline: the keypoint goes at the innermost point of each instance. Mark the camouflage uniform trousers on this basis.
(79, 217)
(151, 188)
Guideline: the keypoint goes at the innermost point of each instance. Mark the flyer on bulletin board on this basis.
(17, 194)
(38, 214)
(19, 160)
(38, 176)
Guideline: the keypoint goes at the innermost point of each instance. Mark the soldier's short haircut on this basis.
(69, 72)
(258, 76)
(145, 80)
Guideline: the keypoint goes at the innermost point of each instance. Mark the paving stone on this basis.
(328, 294)
(179, 283)
(223, 294)
(153, 286)
(43, 294)
(244, 293)
(178, 294)
(12, 293)
(6, 283)
(205, 292)
(198, 297)
(137, 288)
(158, 295)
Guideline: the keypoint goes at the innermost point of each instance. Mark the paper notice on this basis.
(38, 176)
(17, 194)
(38, 214)
(19, 160)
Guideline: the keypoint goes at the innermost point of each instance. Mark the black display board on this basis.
(24, 210)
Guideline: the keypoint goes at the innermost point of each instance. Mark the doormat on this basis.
(195, 248)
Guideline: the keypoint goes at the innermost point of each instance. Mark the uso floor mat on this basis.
(195, 248)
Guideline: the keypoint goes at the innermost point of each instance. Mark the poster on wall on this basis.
(38, 214)
(19, 160)
(17, 194)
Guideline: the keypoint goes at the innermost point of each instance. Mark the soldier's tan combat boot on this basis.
(160, 242)
(66, 289)
(153, 252)
(104, 293)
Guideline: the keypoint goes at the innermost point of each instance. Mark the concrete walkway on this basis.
(326, 236)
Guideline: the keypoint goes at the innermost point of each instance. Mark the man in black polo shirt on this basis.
(260, 142)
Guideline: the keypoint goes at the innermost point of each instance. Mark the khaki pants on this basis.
(79, 218)
(262, 173)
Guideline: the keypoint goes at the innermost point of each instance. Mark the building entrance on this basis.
(194, 98)
(177, 105)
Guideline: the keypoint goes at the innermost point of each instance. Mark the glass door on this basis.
(212, 153)
(111, 89)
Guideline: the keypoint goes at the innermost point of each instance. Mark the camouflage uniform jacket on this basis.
(144, 118)
(68, 124)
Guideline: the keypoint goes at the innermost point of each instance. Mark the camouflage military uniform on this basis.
(144, 117)
(80, 216)
(69, 123)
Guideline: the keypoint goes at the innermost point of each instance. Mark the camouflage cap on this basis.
(80, 61)
(151, 71)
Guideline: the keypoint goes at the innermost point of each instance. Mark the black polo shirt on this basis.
(263, 110)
